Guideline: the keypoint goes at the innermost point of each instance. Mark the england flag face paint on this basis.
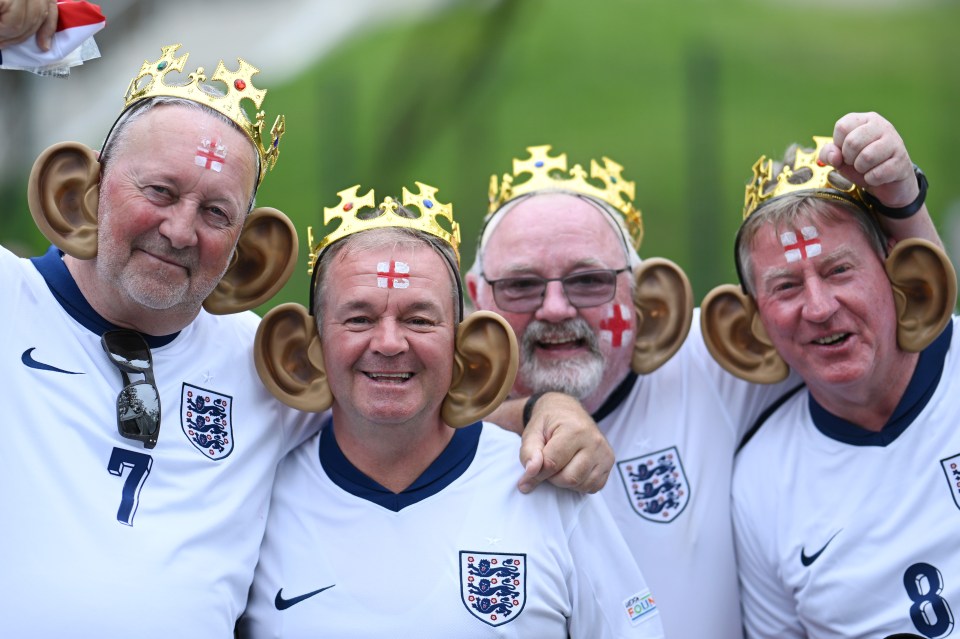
(393, 274)
(800, 249)
(615, 326)
(211, 154)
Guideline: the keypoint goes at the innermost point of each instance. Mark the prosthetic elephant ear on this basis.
(63, 193)
(735, 337)
(663, 300)
(485, 364)
(264, 259)
(924, 289)
(289, 358)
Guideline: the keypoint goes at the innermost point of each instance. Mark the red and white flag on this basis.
(77, 22)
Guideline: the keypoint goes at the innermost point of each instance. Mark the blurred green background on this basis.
(685, 95)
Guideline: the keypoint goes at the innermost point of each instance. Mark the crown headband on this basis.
(766, 185)
(550, 174)
(387, 215)
(151, 82)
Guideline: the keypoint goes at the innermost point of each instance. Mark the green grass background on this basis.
(684, 94)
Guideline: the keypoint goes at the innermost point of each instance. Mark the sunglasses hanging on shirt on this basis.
(138, 404)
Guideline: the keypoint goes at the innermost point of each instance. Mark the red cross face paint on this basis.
(615, 325)
(800, 249)
(393, 274)
(211, 154)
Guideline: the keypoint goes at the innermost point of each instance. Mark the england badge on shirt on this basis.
(951, 468)
(656, 485)
(493, 586)
(207, 421)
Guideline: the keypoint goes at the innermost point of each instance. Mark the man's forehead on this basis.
(541, 217)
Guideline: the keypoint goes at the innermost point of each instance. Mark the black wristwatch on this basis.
(902, 212)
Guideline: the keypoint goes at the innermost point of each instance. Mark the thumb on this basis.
(831, 154)
(531, 468)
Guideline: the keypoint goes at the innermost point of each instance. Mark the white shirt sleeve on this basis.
(610, 595)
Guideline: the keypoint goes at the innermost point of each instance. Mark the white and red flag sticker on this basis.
(393, 274)
(211, 155)
(77, 22)
(807, 246)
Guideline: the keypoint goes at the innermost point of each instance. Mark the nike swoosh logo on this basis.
(27, 359)
(283, 604)
(806, 560)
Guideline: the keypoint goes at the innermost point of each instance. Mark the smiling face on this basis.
(828, 307)
(585, 352)
(173, 200)
(387, 333)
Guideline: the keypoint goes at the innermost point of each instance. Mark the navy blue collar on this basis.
(452, 462)
(616, 398)
(922, 385)
(65, 289)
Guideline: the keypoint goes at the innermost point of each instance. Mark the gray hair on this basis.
(117, 135)
(801, 208)
(613, 217)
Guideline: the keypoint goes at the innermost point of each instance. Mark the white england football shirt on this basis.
(842, 532)
(461, 553)
(674, 433)
(101, 537)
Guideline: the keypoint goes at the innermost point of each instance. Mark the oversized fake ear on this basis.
(63, 193)
(737, 340)
(484, 368)
(289, 358)
(924, 291)
(663, 300)
(265, 257)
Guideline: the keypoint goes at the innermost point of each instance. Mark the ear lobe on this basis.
(735, 337)
(663, 300)
(484, 368)
(63, 193)
(264, 259)
(289, 358)
(925, 292)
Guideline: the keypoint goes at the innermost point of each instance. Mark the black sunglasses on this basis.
(138, 404)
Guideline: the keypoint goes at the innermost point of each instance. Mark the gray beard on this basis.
(578, 376)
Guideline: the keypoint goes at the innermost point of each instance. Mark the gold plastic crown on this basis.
(550, 173)
(819, 184)
(351, 204)
(152, 81)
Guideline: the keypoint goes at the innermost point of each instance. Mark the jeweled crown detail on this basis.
(550, 173)
(151, 81)
(386, 215)
(766, 185)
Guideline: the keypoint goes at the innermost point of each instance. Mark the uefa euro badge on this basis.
(951, 468)
(493, 586)
(656, 485)
(207, 421)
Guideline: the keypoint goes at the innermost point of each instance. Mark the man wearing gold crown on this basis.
(115, 523)
(401, 517)
(846, 497)
(557, 258)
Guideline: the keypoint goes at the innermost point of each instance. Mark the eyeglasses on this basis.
(138, 404)
(583, 289)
